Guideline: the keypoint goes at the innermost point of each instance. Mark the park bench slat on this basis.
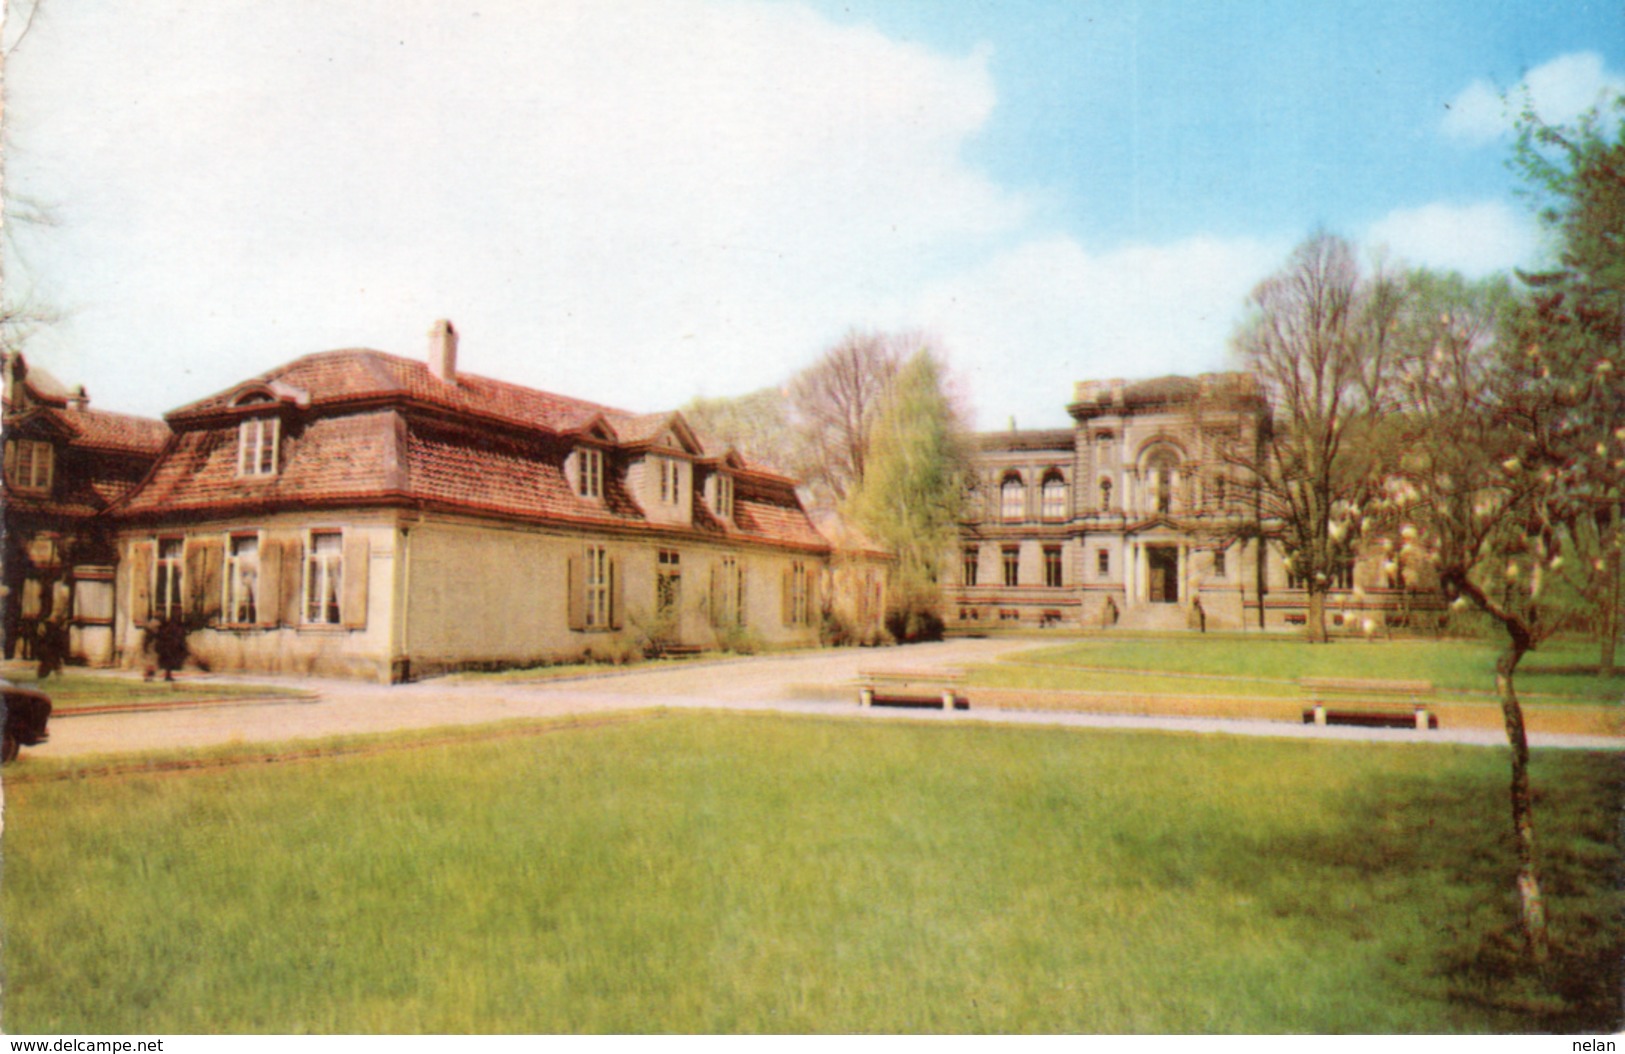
(1370, 701)
(941, 682)
(919, 676)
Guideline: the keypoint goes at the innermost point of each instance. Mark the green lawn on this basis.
(1231, 664)
(72, 690)
(749, 873)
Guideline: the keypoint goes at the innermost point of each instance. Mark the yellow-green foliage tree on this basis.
(910, 498)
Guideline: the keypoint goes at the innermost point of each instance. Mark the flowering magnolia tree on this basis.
(1507, 473)
(1475, 492)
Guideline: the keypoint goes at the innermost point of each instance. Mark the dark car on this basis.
(26, 712)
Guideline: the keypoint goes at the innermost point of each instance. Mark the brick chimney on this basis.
(80, 399)
(443, 351)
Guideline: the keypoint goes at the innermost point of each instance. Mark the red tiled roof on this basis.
(451, 466)
(337, 456)
(354, 374)
(386, 455)
(108, 431)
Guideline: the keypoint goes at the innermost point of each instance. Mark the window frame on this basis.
(970, 566)
(260, 455)
(319, 583)
(1054, 566)
(1053, 498)
(668, 583)
(28, 457)
(1012, 499)
(671, 480)
(1011, 559)
(725, 496)
(162, 606)
(800, 594)
(595, 584)
(240, 580)
(590, 473)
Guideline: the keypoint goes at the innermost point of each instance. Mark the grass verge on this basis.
(1194, 664)
(752, 873)
(71, 690)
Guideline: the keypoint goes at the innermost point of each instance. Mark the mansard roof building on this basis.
(66, 465)
(361, 514)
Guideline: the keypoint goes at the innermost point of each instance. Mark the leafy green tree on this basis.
(1571, 327)
(910, 498)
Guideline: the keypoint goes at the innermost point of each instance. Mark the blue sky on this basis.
(639, 201)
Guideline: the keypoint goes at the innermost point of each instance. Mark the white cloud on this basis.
(1025, 325)
(1558, 91)
(1475, 239)
(628, 202)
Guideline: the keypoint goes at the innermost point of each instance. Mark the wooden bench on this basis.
(934, 688)
(675, 651)
(1372, 702)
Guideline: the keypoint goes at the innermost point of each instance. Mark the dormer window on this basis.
(590, 472)
(671, 480)
(725, 497)
(30, 465)
(257, 441)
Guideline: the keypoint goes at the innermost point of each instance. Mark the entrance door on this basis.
(1163, 564)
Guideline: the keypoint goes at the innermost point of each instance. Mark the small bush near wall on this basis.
(914, 626)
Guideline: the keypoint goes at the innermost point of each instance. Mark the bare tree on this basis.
(1319, 342)
(755, 424)
(833, 403)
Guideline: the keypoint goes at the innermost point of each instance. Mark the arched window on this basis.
(1162, 472)
(1054, 496)
(1012, 499)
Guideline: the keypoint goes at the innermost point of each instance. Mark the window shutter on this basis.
(293, 574)
(714, 600)
(786, 595)
(576, 591)
(357, 571)
(815, 612)
(205, 561)
(270, 592)
(141, 555)
(615, 592)
(742, 594)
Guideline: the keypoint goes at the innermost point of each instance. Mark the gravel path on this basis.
(812, 683)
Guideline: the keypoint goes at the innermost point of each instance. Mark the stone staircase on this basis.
(1155, 617)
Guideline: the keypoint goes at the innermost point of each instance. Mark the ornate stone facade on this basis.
(1133, 519)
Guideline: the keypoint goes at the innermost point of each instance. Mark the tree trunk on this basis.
(1315, 628)
(1610, 615)
(1531, 904)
